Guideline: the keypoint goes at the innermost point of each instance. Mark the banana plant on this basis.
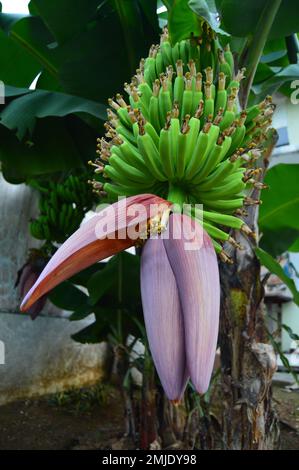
(174, 142)
(180, 137)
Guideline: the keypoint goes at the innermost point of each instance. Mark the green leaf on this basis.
(56, 145)
(102, 280)
(274, 267)
(295, 246)
(278, 79)
(290, 332)
(280, 208)
(90, 68)
(91, 37)
(47, 81)
(69, 297)
(240, 18)
(18, 67)
(65, 18)
(182, 21)
(7, 20)
(206, 9)
(21, 113)
(264, 72)
(279, 241)
(277, 348)
(118, 280)
(12, 91)
(130, 18)
(81, 313)
(92, 334)
(272, 56)
(82, 278)
(149, 9)
(274, 50)
(33, 36)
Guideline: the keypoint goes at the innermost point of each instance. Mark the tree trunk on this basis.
(248, 362)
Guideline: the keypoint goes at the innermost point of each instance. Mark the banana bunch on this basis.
(62, 207)
(181, 135)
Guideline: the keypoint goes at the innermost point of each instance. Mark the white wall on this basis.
(290, 317)
(35, 357)
(287, 115)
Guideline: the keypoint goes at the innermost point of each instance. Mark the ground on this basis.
(287, 404)
(94, 419)
(61, 421)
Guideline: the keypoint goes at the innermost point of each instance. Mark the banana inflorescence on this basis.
(181, 135)
(62, 207)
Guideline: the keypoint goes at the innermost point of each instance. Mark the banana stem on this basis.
(176, 195)
(257, 45)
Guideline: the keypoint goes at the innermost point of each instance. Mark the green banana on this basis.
(115, 191)
(209, 102)
(177, 134)
(149, 128)
(146, 92)
(228, 205)
(131, 155)
(229, 58)
(235, 83)
(222, 170)
(166, 49)
(227, 191)
(159, 64)
(124, 117)
(209, 79)
(183, 52)
(151, 156)
(199, 153)
(192, 135)
(187, 97)
(165, 102)
(229, 115)
(176, 53)
(167, 158)
(194, 53)
(239, 133)
(221, 94)
(197, 94)
(179, 84)
(174, 132)
(150, 66)
(224, 66)
(215, 232)
(129, 172)
(154, 107)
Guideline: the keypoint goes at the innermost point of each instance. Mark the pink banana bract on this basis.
(197, 277)
(179, 285)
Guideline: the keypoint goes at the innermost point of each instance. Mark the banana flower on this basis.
(179, 282)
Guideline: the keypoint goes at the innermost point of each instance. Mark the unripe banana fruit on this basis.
(62, 207)
(180, 134)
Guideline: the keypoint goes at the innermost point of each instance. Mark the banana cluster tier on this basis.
(181, 134)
